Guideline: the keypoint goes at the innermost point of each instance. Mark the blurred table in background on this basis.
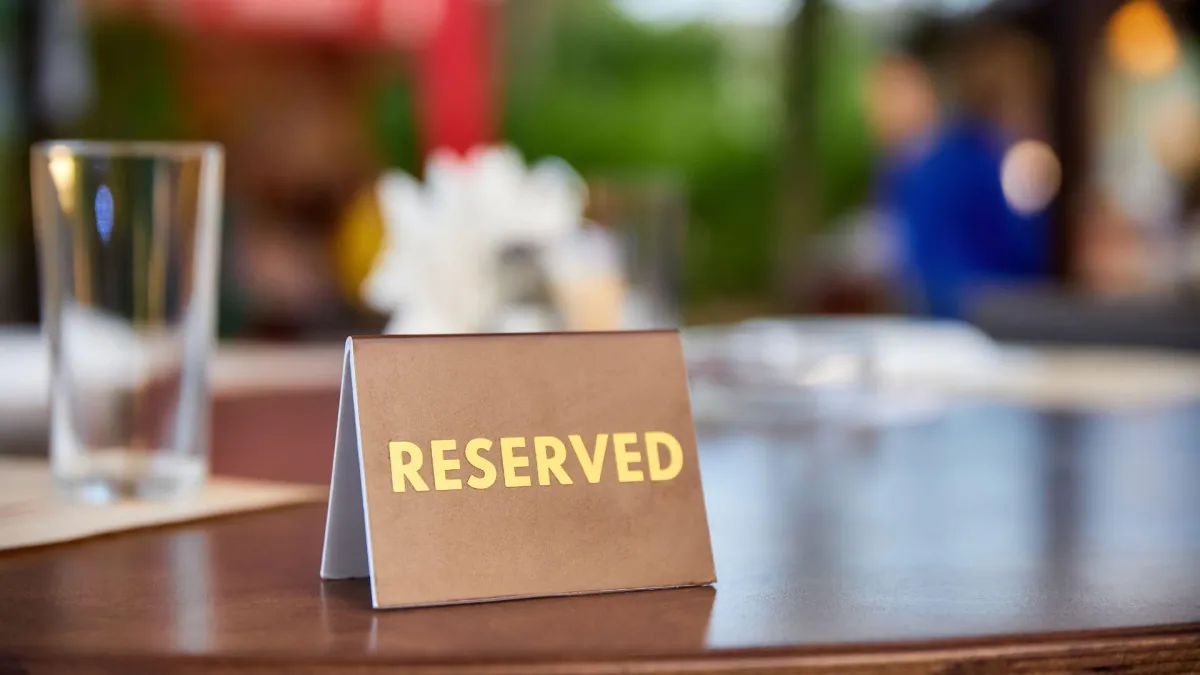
(258, 389)
(1050, 316)
(274, 411)
(992, 538)
(275, 406)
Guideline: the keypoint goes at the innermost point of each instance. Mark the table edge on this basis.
(1092, 648)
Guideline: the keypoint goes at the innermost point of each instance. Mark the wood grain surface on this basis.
(994, 540)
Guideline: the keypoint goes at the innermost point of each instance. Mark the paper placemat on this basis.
(32, 515)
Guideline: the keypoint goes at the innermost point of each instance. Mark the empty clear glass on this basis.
(128, 236)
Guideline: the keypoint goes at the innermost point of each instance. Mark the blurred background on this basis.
(868, 216)
(1029, 166)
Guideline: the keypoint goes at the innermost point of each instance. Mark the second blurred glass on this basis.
(128, 235)
(648, 215)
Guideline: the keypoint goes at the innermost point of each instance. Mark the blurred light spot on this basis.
(408, 23)
(746, 12)
(837, 369)
(1030, 176)
(104, 212)
(887, 6)
(1141, 40)
(62, 172)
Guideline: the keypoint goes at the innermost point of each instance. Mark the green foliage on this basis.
(612, 96)
(393, 117)
(135, 84)
(845, 152)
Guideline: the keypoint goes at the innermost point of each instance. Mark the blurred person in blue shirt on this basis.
(940, 184)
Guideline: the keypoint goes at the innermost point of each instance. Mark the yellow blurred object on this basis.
(1141, 40)
(358, 240)
(1175, 135)
(62, 173)
(592, 304)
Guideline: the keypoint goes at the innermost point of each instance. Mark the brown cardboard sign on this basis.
(473, 468)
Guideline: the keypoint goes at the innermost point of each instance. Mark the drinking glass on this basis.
(128, 236)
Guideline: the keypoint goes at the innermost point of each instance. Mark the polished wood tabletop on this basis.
(994, 539)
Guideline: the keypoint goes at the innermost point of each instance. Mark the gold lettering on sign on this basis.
(550, 462)
(592, 463)
(442, 466)
(512, 462)
(488, 478)
(655, 439)
(659, 452)
(626, 457)
(406, 461)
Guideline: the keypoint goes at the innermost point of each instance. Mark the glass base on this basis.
(160, 479)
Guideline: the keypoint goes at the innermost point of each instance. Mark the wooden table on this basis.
(998, 539)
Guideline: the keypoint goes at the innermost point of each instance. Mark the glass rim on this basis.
(101, 148)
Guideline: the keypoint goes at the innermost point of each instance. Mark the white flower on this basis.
(438, 269)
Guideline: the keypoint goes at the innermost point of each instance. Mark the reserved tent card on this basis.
(488, 467)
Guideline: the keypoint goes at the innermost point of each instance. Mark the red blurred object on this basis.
(398, 23)
(451, 39)
(456, 94)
